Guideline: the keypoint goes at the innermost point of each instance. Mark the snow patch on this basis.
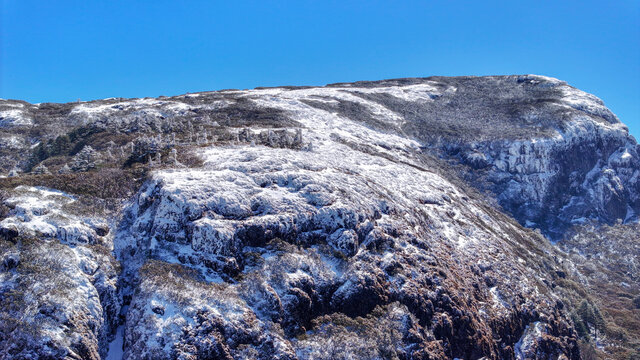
(14, 117)
(39, 211)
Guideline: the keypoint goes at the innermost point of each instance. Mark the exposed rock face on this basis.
(588, 171)
(335, 222)
(553, 155)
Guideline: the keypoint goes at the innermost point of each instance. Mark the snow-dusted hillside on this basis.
(58, 279)
(552, 155)
(290, 236)
(300, 222)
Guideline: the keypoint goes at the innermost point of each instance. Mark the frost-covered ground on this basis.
(289, 237)
(42, 212)
(606, 259)
(359, 220)
(58, 280)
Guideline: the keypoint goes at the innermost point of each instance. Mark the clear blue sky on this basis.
(58, 51)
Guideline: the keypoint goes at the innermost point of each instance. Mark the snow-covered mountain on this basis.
(391, 219)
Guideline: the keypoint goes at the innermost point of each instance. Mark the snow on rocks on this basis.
(146, 113)
(12, 142)
(542, 180)
(356, 224)
(335, 222)
(37, 211)
(531, 173)
(68, 290)
(587, 103)
(525, 348)
(14, 118)
(55, 301)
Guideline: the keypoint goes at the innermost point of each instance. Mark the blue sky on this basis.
(58, 51)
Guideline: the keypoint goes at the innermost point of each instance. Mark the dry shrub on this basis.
(110, 185)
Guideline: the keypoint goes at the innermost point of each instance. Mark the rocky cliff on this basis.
(388, 219)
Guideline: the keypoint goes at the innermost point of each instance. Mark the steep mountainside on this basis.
(607, 261)
(388, 219)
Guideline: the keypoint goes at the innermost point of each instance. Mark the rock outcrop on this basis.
(58, 279)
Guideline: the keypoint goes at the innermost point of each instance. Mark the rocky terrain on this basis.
(423, 218)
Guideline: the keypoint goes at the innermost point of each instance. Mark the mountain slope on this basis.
(299, 222)
(552, 155)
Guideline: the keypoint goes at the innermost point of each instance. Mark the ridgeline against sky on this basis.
(67, 50)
